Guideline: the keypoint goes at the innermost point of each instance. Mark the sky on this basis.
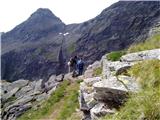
(14, 12)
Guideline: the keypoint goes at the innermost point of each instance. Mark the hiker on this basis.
(72, 64)
(80, 66)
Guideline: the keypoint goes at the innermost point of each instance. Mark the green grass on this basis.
(115, 56)
(147, 73)
(64, 100)
(97, 71)
(151, 43)
(146, 103)
(71, 103)
(47, 106)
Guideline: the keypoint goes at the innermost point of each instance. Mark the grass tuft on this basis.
(115, 56)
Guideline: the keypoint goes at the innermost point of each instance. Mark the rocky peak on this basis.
(38, 25)
(44, 13)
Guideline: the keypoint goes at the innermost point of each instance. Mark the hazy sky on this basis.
(13, 12)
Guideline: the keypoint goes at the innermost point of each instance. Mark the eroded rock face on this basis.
(21, 95)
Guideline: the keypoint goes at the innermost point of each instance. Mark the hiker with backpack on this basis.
(80, 66)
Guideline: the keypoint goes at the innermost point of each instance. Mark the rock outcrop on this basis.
(21, 95)
(99, 96)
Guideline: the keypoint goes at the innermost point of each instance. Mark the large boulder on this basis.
(114, 91)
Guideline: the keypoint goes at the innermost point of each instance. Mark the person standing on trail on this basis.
(72, 64)
(80, 66)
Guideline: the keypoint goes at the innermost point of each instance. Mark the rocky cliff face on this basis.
(105, 94)
(35, 49)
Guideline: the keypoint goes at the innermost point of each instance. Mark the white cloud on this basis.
(13, 12)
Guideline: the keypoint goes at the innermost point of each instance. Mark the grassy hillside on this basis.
(151, 43)
(144, 105)
(60, 106)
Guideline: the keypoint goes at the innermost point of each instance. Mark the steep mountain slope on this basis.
(35, 49)
(117, 27)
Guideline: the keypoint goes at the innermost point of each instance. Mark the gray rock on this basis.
(106, 69)
(121, 67)
(89, 100)
(90, 69)
(9, 94)
(91, 81)
(143, 55)
(52, 90)
(24, 100)
(85, 88)
(88, 73)
(41, 97)
(82, 102)
(15, 111)
(38, 85)
(110, 90)
(68, 76)
(51, 83)
(60, 78)
(129, 82)
(7, 87)
(100, 110)
(23, 91)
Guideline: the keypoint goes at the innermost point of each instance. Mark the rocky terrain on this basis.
(21, 95)
(105, 94)
(98, 95)
(35, 50)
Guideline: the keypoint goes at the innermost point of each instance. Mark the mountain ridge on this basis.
(29, 51)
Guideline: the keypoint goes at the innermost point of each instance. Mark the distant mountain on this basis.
(35, 49)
